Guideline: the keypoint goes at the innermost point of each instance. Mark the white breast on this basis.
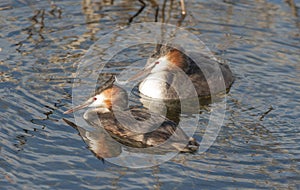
(155, 85)
(168, 85)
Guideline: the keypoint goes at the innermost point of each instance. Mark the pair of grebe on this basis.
(161, 71)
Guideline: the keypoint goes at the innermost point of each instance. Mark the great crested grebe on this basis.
(170, 69)
(110, 108)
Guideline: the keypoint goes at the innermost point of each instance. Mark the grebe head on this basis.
(112, 96)
(167, 60)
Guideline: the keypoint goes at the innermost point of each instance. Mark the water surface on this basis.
(257, 147)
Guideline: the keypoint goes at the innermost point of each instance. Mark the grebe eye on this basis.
(157, 62)
(95, 98)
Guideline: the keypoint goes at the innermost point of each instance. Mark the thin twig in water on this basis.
(138, 12)
(266, 113)
(155, 4)
(183, 13)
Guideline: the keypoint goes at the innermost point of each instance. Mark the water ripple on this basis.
(257, 147)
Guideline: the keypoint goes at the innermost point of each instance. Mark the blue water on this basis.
(257, 147)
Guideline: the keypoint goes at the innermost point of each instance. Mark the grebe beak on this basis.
(84, 105)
